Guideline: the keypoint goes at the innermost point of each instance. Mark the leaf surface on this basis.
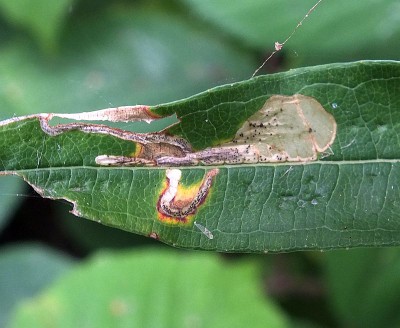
(347, 199)
(90, 71)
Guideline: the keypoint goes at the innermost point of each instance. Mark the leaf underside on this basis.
(350, 198)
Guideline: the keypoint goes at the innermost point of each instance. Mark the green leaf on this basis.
(146, 289)
(348, 199)
(94, 68)
(331, 33)
(43, 18)
(26, 270)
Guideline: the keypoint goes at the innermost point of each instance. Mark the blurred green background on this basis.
(81, 55)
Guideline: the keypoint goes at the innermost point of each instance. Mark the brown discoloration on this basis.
(142, 138)
(116, 114)
(153, 151)
(177, 203)
(287, 128)
(146, 154)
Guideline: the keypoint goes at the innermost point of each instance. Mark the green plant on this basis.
(133, 52)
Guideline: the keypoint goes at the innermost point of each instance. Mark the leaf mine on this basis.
(176, 202)
(286, 128)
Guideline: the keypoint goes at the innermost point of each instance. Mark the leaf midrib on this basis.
(352, 162)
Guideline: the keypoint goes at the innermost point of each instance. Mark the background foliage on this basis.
(70, 56)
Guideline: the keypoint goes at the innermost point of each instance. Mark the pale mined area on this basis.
(287, 128)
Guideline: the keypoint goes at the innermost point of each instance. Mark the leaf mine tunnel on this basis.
(177, 203)
(286, 128)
